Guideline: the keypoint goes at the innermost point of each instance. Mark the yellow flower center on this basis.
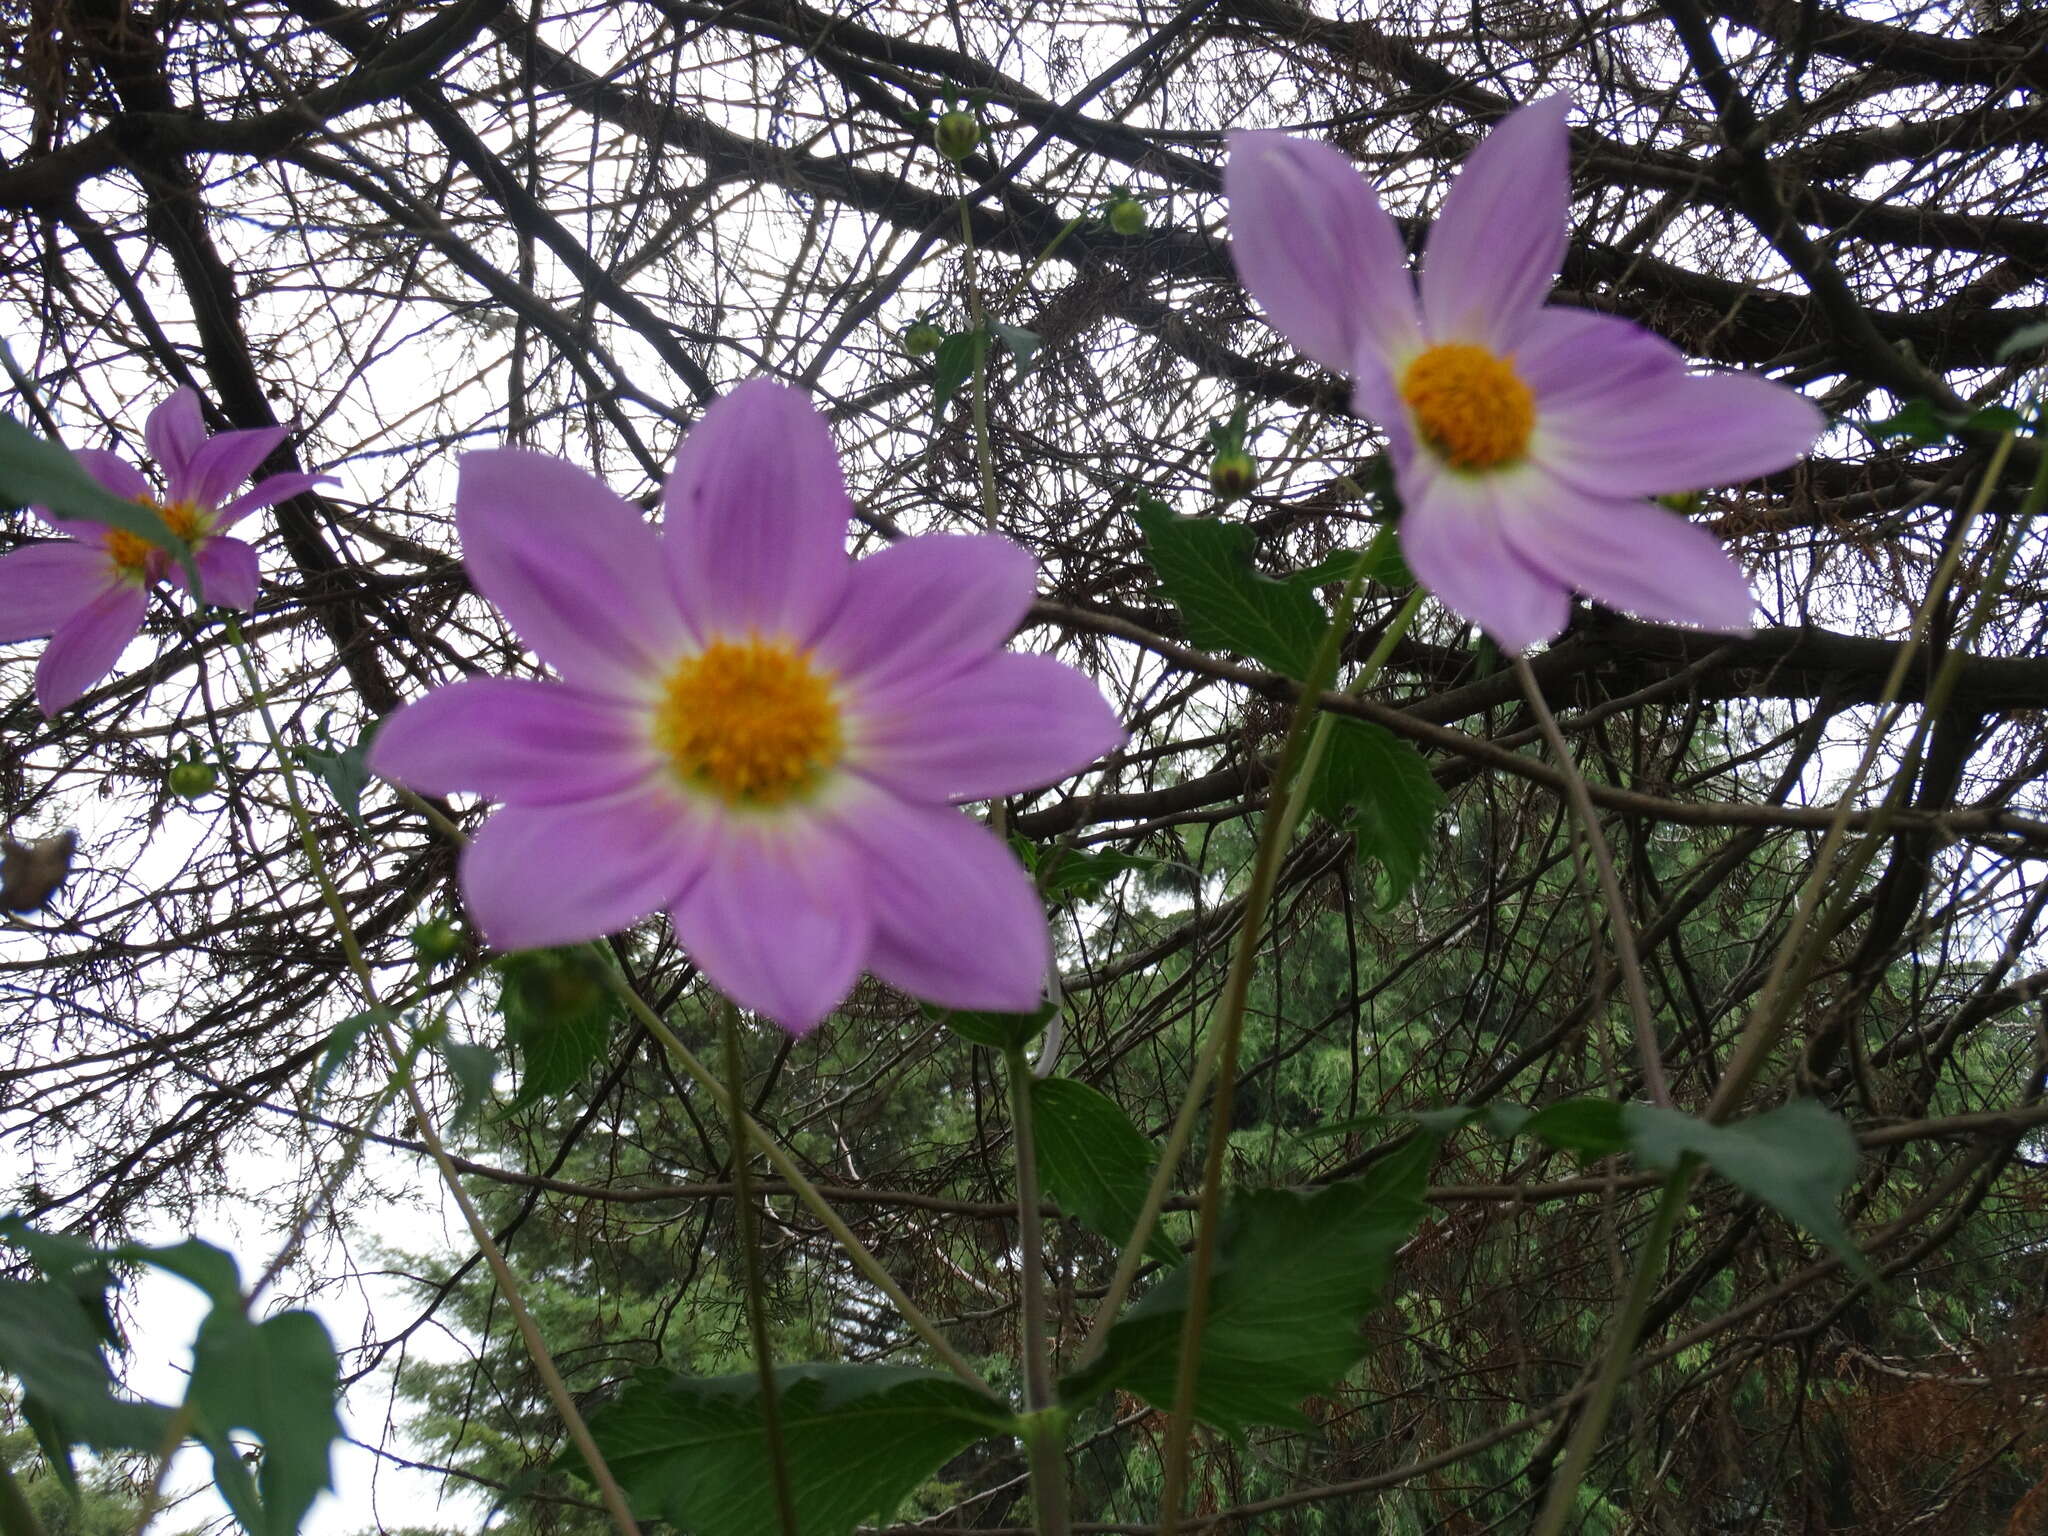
(752, 722)
(1472, 406)
(131, 551)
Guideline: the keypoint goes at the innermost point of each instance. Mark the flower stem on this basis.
(1046, 1441)
(750, 1260)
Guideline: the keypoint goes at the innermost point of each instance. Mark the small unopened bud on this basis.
(956, 134)
(921, 339)
(1232, 473)
(193, 778)
(436, 940)
(1127, 216)
(1684, 503)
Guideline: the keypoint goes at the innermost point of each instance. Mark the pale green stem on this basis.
(1046, 1442)
(745, 1234)
(984, 456)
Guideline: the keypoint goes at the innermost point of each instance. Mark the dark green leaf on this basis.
(1379, 784)
(999, 1031)
(689, 1450)
(1296, 1273)
(37, 472)
(953, 364)
(555, 1054)
(279, 1381)
(2026, 339)
(1588, 1128)
(1918, 423)
(1797, 1159)
(1384, 566)
(1995, 418)
(475, 1068)
(1093, 1161)
(1205, 565)
(341, 1045)
(343, 769)
(1023, 344)
(1082, 873)
(51, 1343)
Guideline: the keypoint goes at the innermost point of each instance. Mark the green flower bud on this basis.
(436, 940)
(1127, 216)
(193, 778)
(1232, 473)
(956, 134)
(921, 339)
(1684, 503)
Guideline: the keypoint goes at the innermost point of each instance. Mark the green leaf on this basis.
(1093, 1161)
(1589, 1128)
(998, 1031)
(35, 471)
(475, 1068)
(1918, 423)
(1295, 1275)
(51, 1343)
(1797, 1159)
(558, 1015)
(1384, 566)
(279, 1381)
(1083, 873)
(1023, 344)
(343, 769)
(689, 1450)
(341, 1044)
(1378, 784)
(1205, 565)
(953, 364)
(2026, 339)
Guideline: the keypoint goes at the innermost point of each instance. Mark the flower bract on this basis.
(750, 731)
(1526, 438)
(88, 592)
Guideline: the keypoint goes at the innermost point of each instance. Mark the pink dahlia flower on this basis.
(88, 592)
(751, 732)
(1526, 439)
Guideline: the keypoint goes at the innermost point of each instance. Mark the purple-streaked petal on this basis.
(957, 921)
(574, 567)
(86, 646)
(756, 516)
(515, 739)
(1316, 249)
(227, 571)
(175, 432)
(1696, 430)
(268, 492)
(536, 876)
(1451, 537)
(1570, 356)
(934, 603)
(1008, 723)
(1497, 244)
(1630, 555)
(114, 473)
(43, 585)
(221, 464)
(779, 920)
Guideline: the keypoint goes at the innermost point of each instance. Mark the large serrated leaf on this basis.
(690, 1450)
(1296, 1274)
(1380, 784)
(1798, 1159)
(1093, 1161)
(1205, 565)
(277, 1379)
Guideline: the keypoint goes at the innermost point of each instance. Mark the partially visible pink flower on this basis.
(752, 732)
(88, 592)
(1525, 438)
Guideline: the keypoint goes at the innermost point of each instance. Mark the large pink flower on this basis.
(1525, 438)
(752, 732)
(88, 592)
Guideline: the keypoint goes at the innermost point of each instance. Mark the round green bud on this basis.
(956, 134)
(189, 780)
(1232, 473)
(436, 940)
(1127, 216)
(921, 339)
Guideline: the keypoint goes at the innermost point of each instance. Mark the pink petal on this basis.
(1374, 396)
(536, 876)
(936, 601)
(779, 920)
(221, 464)
(756, 516)
(1008, 723)
(957, 921)
(42, 585)
(1696, 430)
(175, 432)
(574, 567)
(227, 570)
(114, 473)
(1570, 356)
(509, 738)
(1631, 555)
(1498, 243)
(86, 646)
(1315, 248)
(1451, 537)
(268, 492)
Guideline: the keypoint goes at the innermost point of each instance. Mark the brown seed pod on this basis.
(31, 872)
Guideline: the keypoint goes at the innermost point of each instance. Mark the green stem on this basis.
(984, 457)
(750, 1259)
(1046, 1440)
(1564, 1484)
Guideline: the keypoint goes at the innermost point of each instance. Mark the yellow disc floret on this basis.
(131, 551)
(753, 722)
(1472, 406)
